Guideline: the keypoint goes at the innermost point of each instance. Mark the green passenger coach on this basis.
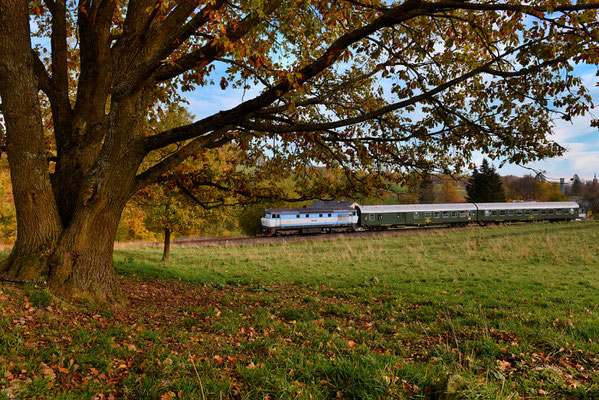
(526, 211)
(381, 217)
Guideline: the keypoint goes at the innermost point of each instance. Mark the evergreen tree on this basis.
(485, 186)
(473, 186)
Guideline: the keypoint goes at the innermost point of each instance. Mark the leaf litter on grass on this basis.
(178, 340)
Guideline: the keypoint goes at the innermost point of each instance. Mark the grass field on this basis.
(494, 313)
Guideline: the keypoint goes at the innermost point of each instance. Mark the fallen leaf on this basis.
(168, 396)
(505, 365)
(47, 371)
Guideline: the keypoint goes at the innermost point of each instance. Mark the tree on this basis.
(483, 76)
(485, 186)
(525, 188)
(169, 213)
(448, 193)
(8, 222)
(531, 188)
(590, 198)
(426, 190)
(577, 186)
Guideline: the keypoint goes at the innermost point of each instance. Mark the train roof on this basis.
(417, 208)
(525, 205)
(307, 210)
(335, 204)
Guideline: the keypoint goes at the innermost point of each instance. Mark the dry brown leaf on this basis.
(505, 365)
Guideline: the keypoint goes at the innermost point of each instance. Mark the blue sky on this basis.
(577, 136)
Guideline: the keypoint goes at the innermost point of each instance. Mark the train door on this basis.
(401, 218)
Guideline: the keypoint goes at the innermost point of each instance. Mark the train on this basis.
(286, 221)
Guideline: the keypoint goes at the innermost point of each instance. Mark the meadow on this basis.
(487, 313)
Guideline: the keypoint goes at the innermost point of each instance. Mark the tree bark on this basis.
(81, 265)
(167, 244)
(38, 223)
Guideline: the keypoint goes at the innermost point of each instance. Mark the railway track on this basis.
(237, 241)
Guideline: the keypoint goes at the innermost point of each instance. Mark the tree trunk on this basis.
(167, 244)
(38, 223)
(81, 265)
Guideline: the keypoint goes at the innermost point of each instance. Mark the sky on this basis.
(578, 137)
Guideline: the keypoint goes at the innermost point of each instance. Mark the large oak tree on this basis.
(365, 87)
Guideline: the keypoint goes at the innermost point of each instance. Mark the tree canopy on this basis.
(367, 88)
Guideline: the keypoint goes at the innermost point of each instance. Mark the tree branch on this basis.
(215, 139)
(236, 115)
(210, 51)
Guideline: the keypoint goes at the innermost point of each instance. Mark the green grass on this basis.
(493, 313)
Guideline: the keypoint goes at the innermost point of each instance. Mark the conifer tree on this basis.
(485, 186)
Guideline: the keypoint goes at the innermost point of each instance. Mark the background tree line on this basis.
(165, 207)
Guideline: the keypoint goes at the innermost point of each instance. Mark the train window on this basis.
(558, 211)
(535, 212)
(372, 217)
(329, 215)
(494, 213)
(486, 213)
(320, 215)
(526, 212)
(502, 212)
(543, 212)
(445, 214)
(297, 216)
(462, 213)
(380, 217)
(454, 214)
(416, 215)
(510, 212)
(550, 212)
(437, 214)
(307, 215)
(427, 214)
(571, 211)
(518, 212)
